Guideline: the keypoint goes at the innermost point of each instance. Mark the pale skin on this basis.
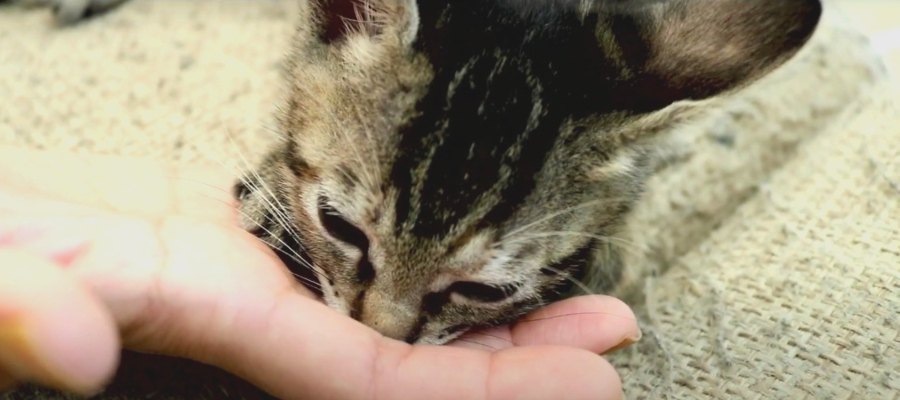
(101, 253)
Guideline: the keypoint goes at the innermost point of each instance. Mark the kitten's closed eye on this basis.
(482, 292)
(339, 228)
(434, 302)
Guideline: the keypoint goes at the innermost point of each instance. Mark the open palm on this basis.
(100, 250)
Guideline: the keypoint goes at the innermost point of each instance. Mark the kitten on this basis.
(456, 164)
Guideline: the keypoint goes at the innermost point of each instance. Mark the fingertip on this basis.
(55, 332)
(596, 323)
(586, 304)
(538, 373)
(81, 347)
(546, 372)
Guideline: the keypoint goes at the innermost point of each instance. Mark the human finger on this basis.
(533, 372)
(299, 348)
(596, 323)
(52, 331)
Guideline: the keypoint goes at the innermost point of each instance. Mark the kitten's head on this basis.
(451, 164)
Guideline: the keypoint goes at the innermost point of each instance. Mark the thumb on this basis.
(52, 330)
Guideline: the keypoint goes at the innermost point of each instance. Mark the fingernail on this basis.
(18, 356)
(628, 341)
(16, 351)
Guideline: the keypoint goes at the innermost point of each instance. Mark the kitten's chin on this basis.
(439, 340)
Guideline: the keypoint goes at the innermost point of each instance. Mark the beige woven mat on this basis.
(772, 241)
(181, 80)
(772, 236)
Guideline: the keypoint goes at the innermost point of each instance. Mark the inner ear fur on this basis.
(695, 49)
(337, 19)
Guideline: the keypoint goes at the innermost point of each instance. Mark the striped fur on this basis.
(455, 164)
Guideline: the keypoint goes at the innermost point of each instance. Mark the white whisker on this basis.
(372, 143)
(296, 257)
(363, 166)
(581, 285)
(553, 215)
(292, 254)
(277, 209)
(605, 239)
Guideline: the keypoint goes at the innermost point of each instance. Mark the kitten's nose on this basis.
(395, 329)
(390, 318)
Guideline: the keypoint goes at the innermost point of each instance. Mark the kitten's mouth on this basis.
(445, 336)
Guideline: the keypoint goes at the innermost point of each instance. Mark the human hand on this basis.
(96, 253)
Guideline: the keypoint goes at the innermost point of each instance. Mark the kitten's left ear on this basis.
(694, 49)
(337, 19)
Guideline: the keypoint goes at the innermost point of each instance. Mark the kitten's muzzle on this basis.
(391, 317)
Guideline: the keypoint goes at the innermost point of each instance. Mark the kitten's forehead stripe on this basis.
(504, 85)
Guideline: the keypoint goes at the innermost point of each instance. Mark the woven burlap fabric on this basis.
(796, 295)
(770, 235)
(772, 240)
(712, 165)
(187, 81)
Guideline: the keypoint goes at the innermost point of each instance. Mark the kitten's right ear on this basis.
(337, 19)
(696, 49)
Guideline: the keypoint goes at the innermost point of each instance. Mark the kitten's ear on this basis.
(337, 19)
(694, 49)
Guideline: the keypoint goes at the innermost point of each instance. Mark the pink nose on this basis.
(390, 318)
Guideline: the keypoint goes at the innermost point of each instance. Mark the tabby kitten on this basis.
(455, 164)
